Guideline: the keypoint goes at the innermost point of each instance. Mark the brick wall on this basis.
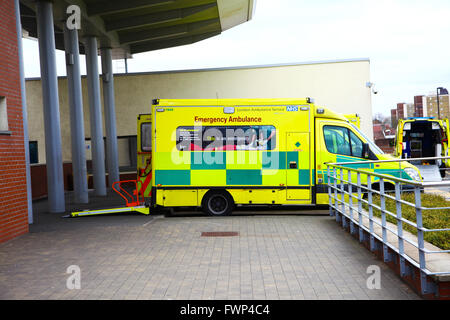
(13, 190)
(401, 111)
(418, 102)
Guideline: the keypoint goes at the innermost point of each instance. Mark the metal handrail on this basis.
(342, 197)
(391, 160)
(378, 175)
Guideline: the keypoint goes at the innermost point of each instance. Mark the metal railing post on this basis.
(370, 201)
(401, 248)
(401, 175)
(332, 213)
(344, 222)
(350, 202)
(336, 204)
(360, 220)
(420, 239)
(383, 221)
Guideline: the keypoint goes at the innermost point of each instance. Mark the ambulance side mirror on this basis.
(365, 151)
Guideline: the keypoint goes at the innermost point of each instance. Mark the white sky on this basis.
(406, 41)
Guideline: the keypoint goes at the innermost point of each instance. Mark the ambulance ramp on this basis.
(429, 173)
(141, 209)
(135, 202)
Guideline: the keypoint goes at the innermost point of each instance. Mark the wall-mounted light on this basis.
(371, 85)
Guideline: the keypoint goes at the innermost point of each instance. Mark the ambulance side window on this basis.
(340, 140)
(146, 137)
(226, 138)
(337, 140)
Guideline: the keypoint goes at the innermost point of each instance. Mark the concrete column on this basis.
(80, 186)
(46, 39)
(24, 111)
(95, 116)
(110, 116)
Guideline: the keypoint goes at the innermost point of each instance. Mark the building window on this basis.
(127, 151)
(34, 155)
(3, 115)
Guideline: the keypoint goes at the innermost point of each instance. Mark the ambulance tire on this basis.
(169, 212)
(217, 203)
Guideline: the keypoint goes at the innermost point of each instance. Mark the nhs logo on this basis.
(291, 108)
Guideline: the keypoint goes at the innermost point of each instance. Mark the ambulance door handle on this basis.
(293, 165)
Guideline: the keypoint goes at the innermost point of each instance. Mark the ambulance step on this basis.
(429, 173)
(140, 209)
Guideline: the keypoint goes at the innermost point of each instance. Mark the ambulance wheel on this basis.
(217, 203)
(169, 212)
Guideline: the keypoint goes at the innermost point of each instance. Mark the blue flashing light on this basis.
(421, 118)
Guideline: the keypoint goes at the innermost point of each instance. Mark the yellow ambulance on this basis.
(221, 153)
(424, 137)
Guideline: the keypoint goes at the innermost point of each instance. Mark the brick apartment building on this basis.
(13, 186)
(423, 106)
(418, 106)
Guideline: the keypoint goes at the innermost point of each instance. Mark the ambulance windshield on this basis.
(375, 149)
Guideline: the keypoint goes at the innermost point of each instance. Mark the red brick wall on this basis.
(13, 190)
(400, 111)
(418, 103)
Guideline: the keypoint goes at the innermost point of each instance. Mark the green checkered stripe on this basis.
(397, 173)
(239, 168)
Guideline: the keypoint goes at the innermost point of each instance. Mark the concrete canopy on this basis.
(135, 26)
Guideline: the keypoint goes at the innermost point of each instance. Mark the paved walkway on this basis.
(443, 191)
(156, 257)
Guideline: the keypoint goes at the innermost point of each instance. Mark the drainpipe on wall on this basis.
(24, 112)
